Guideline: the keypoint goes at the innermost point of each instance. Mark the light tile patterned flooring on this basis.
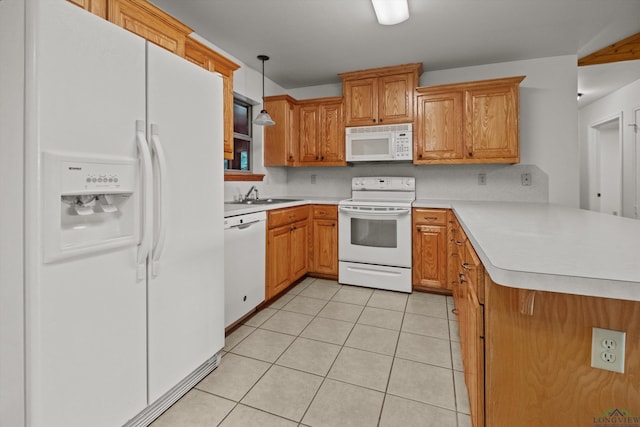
(329, 355)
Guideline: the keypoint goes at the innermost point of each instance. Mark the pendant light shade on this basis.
(263, 119)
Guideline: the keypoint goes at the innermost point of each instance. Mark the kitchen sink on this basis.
(268, 201)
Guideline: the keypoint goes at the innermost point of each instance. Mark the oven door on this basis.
(375, 235)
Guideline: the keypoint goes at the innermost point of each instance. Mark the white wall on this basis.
(11, 208)
(624, 100)
(548, 116)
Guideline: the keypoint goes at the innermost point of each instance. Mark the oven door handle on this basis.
(369, 213)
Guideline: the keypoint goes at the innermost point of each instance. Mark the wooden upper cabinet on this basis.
(309, 146)
(438, 131)
(321, 132)
(381, 95)
(149, 22)
(281, 140)
(97, 7)
(361, 102)
(395, 98)
(473, 122)
(492, 130)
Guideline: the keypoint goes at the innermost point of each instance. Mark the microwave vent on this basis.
(405, 127)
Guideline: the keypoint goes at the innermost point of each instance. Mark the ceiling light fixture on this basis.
(263, 119)
(391, 12)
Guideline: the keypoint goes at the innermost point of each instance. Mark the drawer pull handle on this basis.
(465, 265)
(458, 243)
(431, 218)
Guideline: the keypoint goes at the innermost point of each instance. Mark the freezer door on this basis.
(86, 319)
(186, 289)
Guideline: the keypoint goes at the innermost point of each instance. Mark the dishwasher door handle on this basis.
(245, 225)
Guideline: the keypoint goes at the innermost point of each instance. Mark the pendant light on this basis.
(263, 119)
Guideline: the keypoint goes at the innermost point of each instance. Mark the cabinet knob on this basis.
(470, 153)
(380, 120)
(333, 225)
(317, 158)
(420, 155)
(374, 120)
(321, 157)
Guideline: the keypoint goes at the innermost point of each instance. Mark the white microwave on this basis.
(379, 143)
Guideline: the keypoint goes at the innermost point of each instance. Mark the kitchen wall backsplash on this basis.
(453, 182)
(449, 182)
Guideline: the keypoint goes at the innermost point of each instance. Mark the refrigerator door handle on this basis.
(158, 246)
(144, 248)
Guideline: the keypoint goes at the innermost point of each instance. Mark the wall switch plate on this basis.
(607, 349)
(525, 178)
(482, 178)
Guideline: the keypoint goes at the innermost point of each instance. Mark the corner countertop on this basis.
(552, 248)
(232, 209)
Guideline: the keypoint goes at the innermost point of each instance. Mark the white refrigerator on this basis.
(123, 213)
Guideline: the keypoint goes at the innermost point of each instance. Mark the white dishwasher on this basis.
(244, 264)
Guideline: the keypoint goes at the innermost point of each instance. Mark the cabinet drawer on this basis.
(430, 216)
(279, 217)
(325, 212)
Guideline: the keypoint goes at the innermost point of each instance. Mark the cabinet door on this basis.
(325, 247)
(309, 150)
(430, 257)
(151, 23)
(299, 255)
(97, 7)
(472, 348)
(438, 133)
(361, 102)
(227, 91)
(278, 258)
(331, 136)
(395, 98)
(492, 123)
(279, 139)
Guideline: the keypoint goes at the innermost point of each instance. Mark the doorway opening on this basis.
(605, 166)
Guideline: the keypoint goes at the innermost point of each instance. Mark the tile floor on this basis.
(330, 355)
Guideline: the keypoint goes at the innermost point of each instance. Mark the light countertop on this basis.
(537, 246)
(232, 209)
(552, 248)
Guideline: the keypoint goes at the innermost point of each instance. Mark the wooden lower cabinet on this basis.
(471, 327)
(430, 249)
(287, 248)
(324, 246)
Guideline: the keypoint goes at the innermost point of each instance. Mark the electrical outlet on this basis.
(313, 179)
(482, 178)
(607, 349)
(525, 178)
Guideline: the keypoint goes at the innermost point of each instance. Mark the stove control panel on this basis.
(383, 183)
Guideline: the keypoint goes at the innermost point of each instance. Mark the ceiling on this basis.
(311, 41)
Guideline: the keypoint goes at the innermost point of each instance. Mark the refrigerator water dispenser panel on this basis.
(90, 204)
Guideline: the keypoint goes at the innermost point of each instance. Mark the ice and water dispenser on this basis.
(90, 204)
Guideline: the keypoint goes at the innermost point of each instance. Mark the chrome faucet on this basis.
(251, 190)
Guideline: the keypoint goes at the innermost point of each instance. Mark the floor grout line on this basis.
(344, 345)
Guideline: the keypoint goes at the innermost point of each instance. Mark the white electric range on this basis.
(374, 227)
